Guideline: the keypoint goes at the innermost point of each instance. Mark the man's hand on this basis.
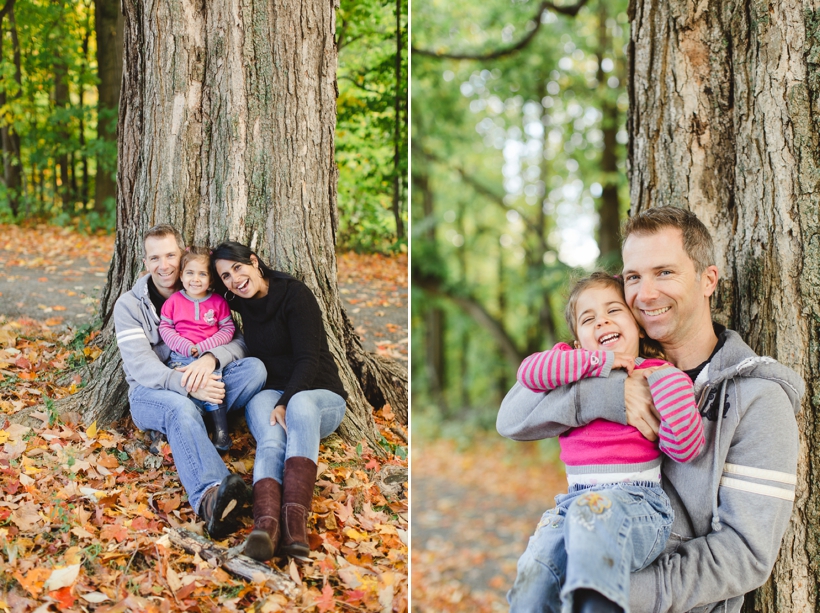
(197, 373)
(212, 390)
(640, 408)
(277, 416)
(625, 361)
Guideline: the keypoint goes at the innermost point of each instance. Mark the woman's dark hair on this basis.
(234, 252)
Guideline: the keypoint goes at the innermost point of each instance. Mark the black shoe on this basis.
(222, 440)
(158, 439)
(590, 601)
(221, 505)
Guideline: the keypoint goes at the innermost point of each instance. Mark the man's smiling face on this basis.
(669, 298)
(162, 257)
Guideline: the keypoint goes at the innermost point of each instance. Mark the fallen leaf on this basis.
(62, 577)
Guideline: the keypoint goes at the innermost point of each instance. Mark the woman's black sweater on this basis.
(284, 329)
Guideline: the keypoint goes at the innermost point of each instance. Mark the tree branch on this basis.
(571, 11)
(474, 309)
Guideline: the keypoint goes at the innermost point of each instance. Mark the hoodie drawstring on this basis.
(716, 469)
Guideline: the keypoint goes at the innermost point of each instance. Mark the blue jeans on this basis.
(593, 538)
(180, 419)
(176, 360)
(310, 416)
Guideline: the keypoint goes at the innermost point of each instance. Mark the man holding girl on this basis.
(732, 502)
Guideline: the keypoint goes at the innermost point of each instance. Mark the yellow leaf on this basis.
(92, 430)
(355, 534)
(4, 436)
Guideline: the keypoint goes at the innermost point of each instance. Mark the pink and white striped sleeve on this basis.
(561, 365)
(681, 431)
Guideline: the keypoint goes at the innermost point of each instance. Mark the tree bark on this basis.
(12, 161)
(397, 183)
(724, 102)
(108, 27)
(226, 127)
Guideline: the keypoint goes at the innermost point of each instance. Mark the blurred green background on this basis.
(518, 184)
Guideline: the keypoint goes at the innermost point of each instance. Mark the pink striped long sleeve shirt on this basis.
(603, 447)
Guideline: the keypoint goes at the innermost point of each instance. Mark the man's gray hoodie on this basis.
(143, 351)
(732, 504)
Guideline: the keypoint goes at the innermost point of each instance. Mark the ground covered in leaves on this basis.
(85, 511)
(474, 505)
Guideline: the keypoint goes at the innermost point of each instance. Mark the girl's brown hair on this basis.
(648, 348)
(196, 253)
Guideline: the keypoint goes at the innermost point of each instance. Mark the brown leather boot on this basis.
(267, 506)
(297, 494)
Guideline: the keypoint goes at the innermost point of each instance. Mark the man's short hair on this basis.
(697, 242)
(160, 231)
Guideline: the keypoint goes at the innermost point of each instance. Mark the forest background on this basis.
(518, 148)
(60, 71)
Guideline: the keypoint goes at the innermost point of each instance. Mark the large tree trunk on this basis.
(226, 127)
(723, 110)
(108, 26)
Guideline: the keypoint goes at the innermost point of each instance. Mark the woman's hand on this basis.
(277, 416)
(197, 373)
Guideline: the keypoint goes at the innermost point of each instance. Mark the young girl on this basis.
(615, 518)
(195, 320)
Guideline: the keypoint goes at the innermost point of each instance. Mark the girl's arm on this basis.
(681, 431)
(222, 336)
(561, 365)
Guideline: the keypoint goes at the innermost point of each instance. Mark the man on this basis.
(732, 504)
(167, 400)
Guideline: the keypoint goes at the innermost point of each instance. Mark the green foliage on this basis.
(49, 101)
(366, 124)
(508, 173)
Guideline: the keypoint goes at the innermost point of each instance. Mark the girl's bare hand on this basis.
(625, 361)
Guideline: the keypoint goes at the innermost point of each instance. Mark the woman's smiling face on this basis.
(244, 280)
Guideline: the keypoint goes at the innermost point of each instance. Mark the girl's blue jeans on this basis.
(310, 416)
(593, 538)
(176, 360)
(180, 419)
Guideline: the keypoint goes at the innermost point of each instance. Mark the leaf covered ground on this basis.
(84, 510)
(474, 505)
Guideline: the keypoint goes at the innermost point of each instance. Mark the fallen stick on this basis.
(234, 562)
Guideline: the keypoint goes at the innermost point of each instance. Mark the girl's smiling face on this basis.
(195, 278)
(604, 322)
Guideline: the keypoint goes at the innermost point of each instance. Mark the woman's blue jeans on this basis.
(593, 538)
(310, 416)
(180, 419)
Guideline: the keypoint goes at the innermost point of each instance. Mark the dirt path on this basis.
(472, 513)
(55, 275)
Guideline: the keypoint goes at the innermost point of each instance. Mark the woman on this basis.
(302, 402)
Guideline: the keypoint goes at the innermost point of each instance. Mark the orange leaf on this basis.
(108, 460)
(33, 580)
(326, 602)
(171, 504)
(58, 307)
(42, 279)
(27, 375)
(114, 531)
(63, 597)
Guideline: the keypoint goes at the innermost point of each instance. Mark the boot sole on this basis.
(299, 551)
(259, 546)
(230, 498)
